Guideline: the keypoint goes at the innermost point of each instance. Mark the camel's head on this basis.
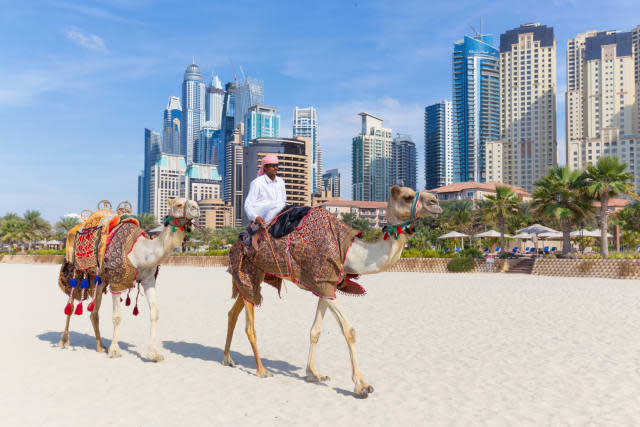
(401, 200)
(183, 208)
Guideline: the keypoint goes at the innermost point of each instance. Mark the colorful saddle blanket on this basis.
(311, 256)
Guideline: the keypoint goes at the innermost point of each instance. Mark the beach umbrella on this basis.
(491, 233)
(537, 229)
(454, 235)
(588, 233)
(555, 235)
(524, 236)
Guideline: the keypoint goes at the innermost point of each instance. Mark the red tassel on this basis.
(128, 301)
(135, 310)
(182, 228)
(90, 307)
(399, 230)
(175, 221)
(67, 309)
(79, 309)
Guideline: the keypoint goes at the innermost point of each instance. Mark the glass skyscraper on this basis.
(403, 162)
(152, 151)
(438, 145)
(213, 102)
(305, 123)
(261, 121)
(228, 110)
(193, 110)
(248, 94)
(172, 127)
(476, 105)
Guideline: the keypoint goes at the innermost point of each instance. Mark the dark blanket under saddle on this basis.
(288, 220)
(311, 255)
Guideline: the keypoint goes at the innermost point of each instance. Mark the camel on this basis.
(146, 255)
(403, 208)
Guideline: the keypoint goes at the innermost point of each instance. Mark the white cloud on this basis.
(86, 40)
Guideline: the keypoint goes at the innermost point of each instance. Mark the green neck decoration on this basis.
(184, 224)
(397, 229)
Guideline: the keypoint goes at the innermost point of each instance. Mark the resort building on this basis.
(172, 127)
(475, 191)
(403, 161)
(319, 198)
(305, 123)
(374, 212)
(166, 182)
(294, 160)
(527, 105)
(371, 154)
(438, 144)
(475, 105)
(193, 110)
(214, 213)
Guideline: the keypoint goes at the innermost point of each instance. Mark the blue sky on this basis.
(80, 80)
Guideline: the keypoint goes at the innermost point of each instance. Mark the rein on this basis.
(407, 227)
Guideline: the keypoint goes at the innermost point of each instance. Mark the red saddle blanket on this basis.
(312, 256)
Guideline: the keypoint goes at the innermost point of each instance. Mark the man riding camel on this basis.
(267, 197)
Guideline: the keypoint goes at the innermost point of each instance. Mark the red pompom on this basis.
(386, 236)
(399, 230)
(79, 309)
(135, 310)
(67, 309)
(182, 228)
(128, 301)
(175, 221)
(90, 307)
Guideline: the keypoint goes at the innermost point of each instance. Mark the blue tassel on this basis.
(73, 283)
(97, 281)
(84, 284)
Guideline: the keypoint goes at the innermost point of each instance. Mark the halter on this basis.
(181, 222)
(405, 226)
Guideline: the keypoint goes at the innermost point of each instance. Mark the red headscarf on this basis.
(269, 159)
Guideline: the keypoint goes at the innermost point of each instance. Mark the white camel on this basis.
(362, 258)
(145, 256)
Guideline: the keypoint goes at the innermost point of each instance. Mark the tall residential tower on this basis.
(403, 162)
(438, 145)
(193, 110)
(371, 153)
(305, 123)
(172, 127)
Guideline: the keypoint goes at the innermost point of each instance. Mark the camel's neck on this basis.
(152, 252)
(373, 257)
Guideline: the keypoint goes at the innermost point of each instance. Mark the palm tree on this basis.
(63, 226)
(147, 221)
(560, 196)
(500, 207)
(605, 180)
(36, 224)
(15, 231)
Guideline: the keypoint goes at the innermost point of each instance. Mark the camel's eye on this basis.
(408, 199)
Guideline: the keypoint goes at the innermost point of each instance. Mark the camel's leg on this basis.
(154, 313)
(362, 389)
(114, 349)
(95, 318)
(312, 375)
(251, 334)
(233, 318)
(64, 338)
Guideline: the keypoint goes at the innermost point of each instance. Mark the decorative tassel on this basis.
(182, 228)
(399, 229)
(175, 221)
(79, 309)
(96, 283)
(84, 284)
(386, 236)
(90, 307)
(128, 301)
(174, 229)
(69, 307)
(135, 308)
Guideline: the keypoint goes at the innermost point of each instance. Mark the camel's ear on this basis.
(394, 191)
(171, 202)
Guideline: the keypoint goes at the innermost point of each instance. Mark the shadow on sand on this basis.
(215, 354)
(77, 339)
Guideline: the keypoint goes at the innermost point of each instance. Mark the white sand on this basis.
(473, 349)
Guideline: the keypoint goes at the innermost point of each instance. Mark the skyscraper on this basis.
(234, 177)
(305, 123)
(208, 145)
(331, 182)
(438, 145)
(202, 182)
(476, 108)
(635, 35)
(166, 179)
(371, 160)
(403, 169)
(193, 109)
(152, 151)
(527, 105)
(172, 127)
(608, 112)
(213, 102)
(261, 121)
(228, 110)
(247, 94)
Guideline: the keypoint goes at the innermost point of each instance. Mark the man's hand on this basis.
(261, 222)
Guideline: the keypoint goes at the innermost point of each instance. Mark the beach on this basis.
(439, 349)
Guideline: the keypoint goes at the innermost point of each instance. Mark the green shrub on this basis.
(471, 253)
(46, 252)
(434, 253)
(461, 264)
(411, 253)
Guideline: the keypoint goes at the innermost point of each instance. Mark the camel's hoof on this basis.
(364, 392)
(156, 357)
(263, 373)
(100, 348)
(316, 378)
(227, 361)
(114, 352)
(63, 343)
